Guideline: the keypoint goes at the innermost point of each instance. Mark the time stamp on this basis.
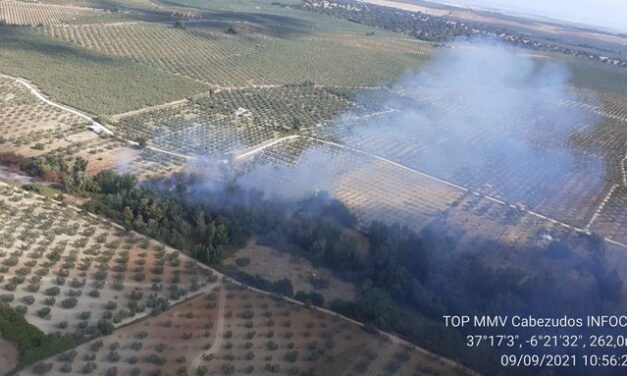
(549, 350)
(562, 341)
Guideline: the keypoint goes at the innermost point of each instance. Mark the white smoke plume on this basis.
(486, 116)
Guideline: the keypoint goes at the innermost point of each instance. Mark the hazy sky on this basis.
(605, 13)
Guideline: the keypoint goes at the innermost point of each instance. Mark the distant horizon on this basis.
(602, 14)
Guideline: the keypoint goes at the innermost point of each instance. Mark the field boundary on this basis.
(264, 145)
(601, 207)
(33, 90)
(122, 115)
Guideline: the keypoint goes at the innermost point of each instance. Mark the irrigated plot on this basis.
(380, 191)
(74, 274)
(148, 163)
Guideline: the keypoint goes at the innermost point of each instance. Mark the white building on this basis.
(240, 111)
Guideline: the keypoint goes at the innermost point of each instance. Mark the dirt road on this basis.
(219, 334)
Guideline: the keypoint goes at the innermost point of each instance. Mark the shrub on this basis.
(291, 356)
(105, 327)
(242, 261)
(52, 291)
(271, 345)
(42, 368)
(49, 301)
(69, 303)
(43, 312)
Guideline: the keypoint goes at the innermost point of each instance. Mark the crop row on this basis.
(210, 125)
(150, 163)
(76, 275)
(28, 122)
(371, 189)
(23, 13)
(612, 221)
(561, 171)
(260, 335)
(211, 56)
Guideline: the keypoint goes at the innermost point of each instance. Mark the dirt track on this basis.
(215, 347)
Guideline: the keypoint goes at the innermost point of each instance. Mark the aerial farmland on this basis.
(298, 187)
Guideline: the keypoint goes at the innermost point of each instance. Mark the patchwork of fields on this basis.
(568, 183)
(286, 102)
(93, 82)
(209, 125)
(72, 273)
(211, 56)
(234, 331)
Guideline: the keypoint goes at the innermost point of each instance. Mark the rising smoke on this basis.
(486, 116)
(480, 114)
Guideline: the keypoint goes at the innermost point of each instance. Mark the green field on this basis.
(91, 81)
(104, 64)
(602, 78)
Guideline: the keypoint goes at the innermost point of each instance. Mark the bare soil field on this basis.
(275, 265)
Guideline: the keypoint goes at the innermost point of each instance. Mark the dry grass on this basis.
(275, 265)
